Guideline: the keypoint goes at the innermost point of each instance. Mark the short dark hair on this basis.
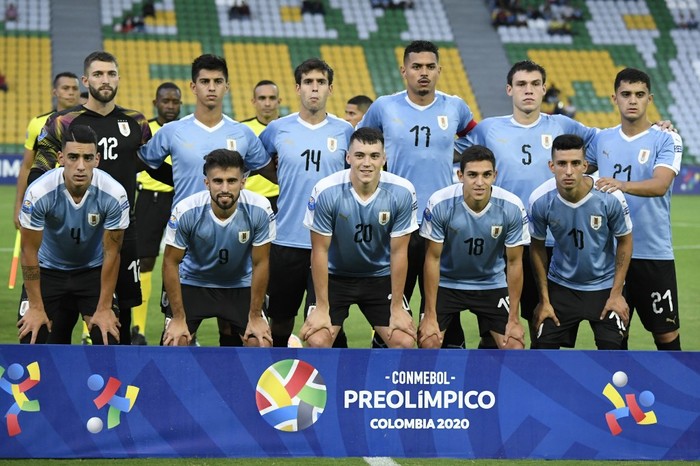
(167, 85)
(476, 153)
(632, 75)
(367, 135)
(99, 55)
(362, 101)
(81, 134)
(264, 82)
(568, 142)
(64, 74)
(209, 62)
(525, 65)
(223, 158)
(418, 46)
(313, 64)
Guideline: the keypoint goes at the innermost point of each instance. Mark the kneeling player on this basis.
(470, 227)
(361, 220)
(219, 239)
(586, 274)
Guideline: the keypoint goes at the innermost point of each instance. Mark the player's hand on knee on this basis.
(176, 333)
(619, 306)
(515, 336)
(545, 311)
(107, 322)
(31, 322)
(429, 334)
(402, 320)
(317, 320)
(257, 332)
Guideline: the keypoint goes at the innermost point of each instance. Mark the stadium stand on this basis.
(364, 45)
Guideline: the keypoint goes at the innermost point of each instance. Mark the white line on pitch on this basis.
(380, 461)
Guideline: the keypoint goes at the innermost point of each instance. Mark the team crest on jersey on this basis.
(27, 207)
(547, 141)
(124, 128)
(93, 219)
(384, 217)
(443, 122)
(172, 222)
(231, 144)
(243, 236)
(596, 221)
(643, 155)
(332, 144)
(496, 230)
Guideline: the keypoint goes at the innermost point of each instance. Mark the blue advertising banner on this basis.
(84, 401)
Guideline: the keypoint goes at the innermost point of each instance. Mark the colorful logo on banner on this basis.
(291, 395)
(627, 406)
(108, 396)
(17, 385)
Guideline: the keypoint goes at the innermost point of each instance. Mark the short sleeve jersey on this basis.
(584, 234)
(635, 159)
(474, 243)
(361, 230)
(33, 130)
(305, 154)
(187, 141)
(218, 252)
(119, 136)
(143, 178)
(258, 183)
(73, 232)
(419, 141)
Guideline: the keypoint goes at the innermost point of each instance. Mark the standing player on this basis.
(309, 145)
(361, 220)
(472, 229)
(67, 92)
(419, 125)
(73, 221)
(356, 108)
(642, 161)
(522, 144)
(220, 239)
(266, 102)
(586, 275)
(153, 206)
(120, 132)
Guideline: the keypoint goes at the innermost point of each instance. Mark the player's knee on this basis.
(431, 343)
(401, 340)
(320, 339)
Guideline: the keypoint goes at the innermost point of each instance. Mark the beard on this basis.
(222, 201)
(95, 93)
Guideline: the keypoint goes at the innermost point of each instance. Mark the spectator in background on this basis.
(148, 9)
(3, 83)
(239, 9)
(11, 13)
(356, 108)
(315, 7)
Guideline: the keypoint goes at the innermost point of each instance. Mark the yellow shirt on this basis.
(143, 178)
(34, 128)
(257, 183)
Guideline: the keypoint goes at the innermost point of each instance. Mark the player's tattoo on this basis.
(30, 272)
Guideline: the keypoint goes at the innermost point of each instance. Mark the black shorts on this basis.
(229, 304)
(128, 283)
(66, 295)
(290, 277)
(574, 306)
(371, 294)
(651, 289)
(484, 304)
(153, 210)
(529, 298)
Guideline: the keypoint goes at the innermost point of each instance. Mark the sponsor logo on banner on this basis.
(243, 236)
(291, 395)
(16, 381)
(384, 217)
(108, 397)
(547, 141)
(631, 405)
(124, 128)
(596, 221)
(231, 144)
(93, 219)
(443, 122)
(496, 230)
(643, 156)
(332, 144)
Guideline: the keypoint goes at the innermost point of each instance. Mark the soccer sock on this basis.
(140, 312)
(674, 345)
(85, 329)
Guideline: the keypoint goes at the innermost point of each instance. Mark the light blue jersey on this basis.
(473, 243)
(523, 152)
(419, 141)
(188, 141)
(634, 159)
(584, 232)
(305, 154)
(218, 252)
(72, 233)
(361, 230)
